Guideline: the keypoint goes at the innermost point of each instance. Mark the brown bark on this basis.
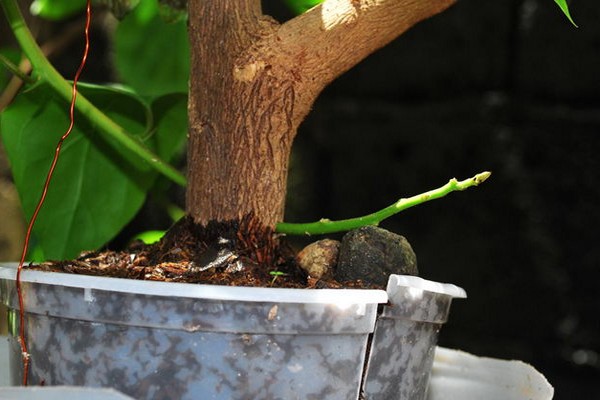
(253, 81)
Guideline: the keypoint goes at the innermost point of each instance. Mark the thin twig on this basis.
(15, 69)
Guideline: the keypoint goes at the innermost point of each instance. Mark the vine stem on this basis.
(49, 74)
(327, 226)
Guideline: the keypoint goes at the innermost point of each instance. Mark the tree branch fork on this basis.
(253, 82)
(329, 39)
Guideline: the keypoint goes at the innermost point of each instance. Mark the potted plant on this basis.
(252, 82)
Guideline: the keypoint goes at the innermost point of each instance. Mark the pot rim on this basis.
(8, 271)
(415, 282)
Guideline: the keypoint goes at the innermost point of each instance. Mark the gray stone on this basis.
(372, 254)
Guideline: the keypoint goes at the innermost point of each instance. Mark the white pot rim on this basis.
(198, 291)
(415, 282)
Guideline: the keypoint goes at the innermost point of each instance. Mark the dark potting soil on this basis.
(233, 253)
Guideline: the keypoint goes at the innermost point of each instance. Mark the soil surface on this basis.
(233, 253)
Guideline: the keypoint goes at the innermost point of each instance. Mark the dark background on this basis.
(507, 86)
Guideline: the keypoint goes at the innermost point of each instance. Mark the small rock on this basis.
(319, 259)
(372, 254)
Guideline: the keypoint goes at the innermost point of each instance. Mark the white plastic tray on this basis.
(460, 375)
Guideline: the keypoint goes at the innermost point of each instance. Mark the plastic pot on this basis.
(455, 375)
(157, 340)
(406, 333)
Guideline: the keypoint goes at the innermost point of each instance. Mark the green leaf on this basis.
(56, 9)
(168, 138)
(565, 9)
(36, 254)
(173, 11)
(94, 191)
(119, 8)
(149, 237)
(170, 125)
(151, 55)
(301, 6)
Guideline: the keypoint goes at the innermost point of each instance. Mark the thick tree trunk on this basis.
(253, 81)
(243, 112)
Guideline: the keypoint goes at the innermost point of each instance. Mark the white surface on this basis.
(212, 292)
(456, 376)
(425, 285)
(60, 393)
(4, 361)
(459, 375)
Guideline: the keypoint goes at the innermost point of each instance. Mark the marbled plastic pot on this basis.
(406, 333)
(157, 340)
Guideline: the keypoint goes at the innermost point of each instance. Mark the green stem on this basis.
(15, 70)
(46, 71)
(326, 226)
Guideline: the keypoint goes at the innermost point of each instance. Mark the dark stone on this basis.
(372, 254)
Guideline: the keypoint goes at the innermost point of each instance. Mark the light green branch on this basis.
(15, 70)
(326, 226)
(107, 126)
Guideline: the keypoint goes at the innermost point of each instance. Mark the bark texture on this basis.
(254, 80)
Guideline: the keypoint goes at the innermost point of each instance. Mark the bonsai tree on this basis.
(252, 82)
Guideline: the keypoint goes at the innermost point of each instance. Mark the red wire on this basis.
(22, 339)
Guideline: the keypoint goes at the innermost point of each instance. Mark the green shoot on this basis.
(327, 226)
(275, 275)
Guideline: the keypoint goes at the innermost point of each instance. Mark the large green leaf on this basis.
(95, 191)
(151, 55)
(56, 9)
(170, 125)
